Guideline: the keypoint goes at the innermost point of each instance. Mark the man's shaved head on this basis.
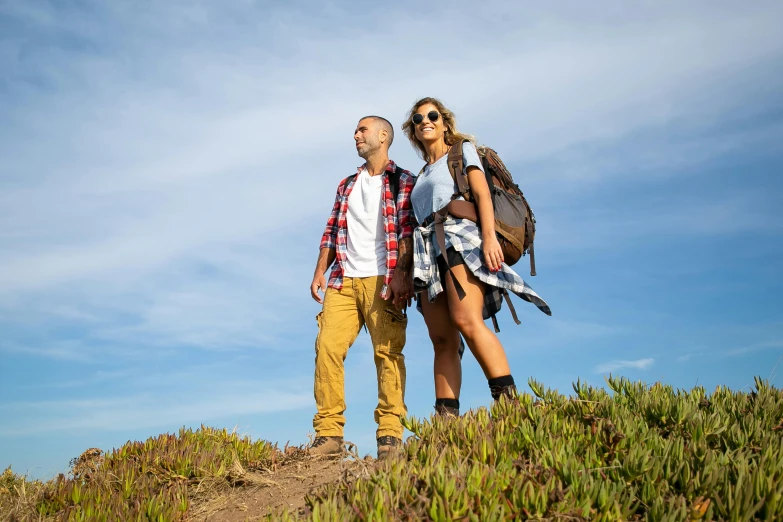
(383, 124)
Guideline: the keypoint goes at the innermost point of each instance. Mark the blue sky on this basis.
(168, 168)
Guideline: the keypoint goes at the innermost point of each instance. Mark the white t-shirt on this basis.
(366, 253)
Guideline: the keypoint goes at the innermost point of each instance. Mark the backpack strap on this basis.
(440, 237)
(532, 253)
(504, 294)
(511, 306)
(495, 323)
(457, 168)
(394, 182)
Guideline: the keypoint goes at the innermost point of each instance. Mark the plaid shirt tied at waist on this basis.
(398, 223)
(464, 237)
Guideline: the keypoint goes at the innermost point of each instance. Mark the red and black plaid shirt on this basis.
(398, 223)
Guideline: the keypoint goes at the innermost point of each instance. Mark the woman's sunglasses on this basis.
(432, 116)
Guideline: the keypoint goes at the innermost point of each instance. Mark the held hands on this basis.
(319, 283)
(401, 288)
(493, 253)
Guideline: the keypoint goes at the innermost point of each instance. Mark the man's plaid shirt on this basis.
(398, 223)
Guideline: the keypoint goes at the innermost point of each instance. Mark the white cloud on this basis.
(613, 366)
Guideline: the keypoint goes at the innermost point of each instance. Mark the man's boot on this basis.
(387, 446)
(326, 446)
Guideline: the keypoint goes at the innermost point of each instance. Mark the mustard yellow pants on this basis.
(344, 313)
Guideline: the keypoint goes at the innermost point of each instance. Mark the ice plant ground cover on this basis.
(629, 452)
(635, 452)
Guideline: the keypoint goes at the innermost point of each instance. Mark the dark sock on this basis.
(498, 384)
(506, 380)
(449, 403)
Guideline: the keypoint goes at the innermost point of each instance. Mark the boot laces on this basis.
(388, 440)
(320, 441)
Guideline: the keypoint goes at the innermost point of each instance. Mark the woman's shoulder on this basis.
(469, 150)
(469, 147)
(470, 154)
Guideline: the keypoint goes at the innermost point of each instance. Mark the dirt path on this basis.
(266, 492)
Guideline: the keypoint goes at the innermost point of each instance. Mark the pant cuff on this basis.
(389, 433)
(328, 433)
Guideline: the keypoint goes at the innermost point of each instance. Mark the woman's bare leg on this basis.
(466, 315)
(445, 342)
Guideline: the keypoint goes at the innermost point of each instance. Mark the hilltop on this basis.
(632, 452)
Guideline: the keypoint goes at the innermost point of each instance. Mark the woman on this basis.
(457, 304)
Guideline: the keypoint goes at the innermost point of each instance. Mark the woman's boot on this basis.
(447, 407)
(502, 387)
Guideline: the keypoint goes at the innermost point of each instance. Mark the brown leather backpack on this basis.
(515, 224)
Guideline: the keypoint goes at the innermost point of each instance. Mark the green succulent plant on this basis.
(629, 452)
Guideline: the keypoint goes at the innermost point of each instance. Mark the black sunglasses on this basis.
(432, 116)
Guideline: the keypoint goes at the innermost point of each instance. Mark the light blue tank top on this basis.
(435, 186)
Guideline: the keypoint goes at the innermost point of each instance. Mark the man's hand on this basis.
(401, 285)
(401, 288)
(325, 259)
(319, 282)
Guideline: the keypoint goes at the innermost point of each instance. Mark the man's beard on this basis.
(367, 151)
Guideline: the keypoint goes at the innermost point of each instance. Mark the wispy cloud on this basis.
(756, 347)
(86, 380)
(64, 350)
(687, 216)
(613, 366)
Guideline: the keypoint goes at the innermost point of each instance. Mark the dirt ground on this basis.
(264, 492)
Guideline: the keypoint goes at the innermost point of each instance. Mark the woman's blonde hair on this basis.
(450, 135)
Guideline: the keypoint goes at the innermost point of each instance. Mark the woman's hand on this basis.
(493, 253)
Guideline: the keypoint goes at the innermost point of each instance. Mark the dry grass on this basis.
(158, 479)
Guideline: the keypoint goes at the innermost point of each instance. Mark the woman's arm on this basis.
(493, 254)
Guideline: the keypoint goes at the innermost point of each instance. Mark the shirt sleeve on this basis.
(329, 238)
(406, 221)
(470, 157)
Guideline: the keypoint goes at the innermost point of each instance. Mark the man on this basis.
(369, 235)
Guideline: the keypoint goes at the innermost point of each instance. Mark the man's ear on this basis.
(383, 136)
